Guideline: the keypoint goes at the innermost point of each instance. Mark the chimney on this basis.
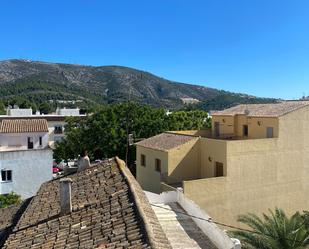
(65, 196)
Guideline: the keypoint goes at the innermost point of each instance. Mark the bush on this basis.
(9, 199)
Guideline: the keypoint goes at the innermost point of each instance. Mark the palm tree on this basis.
(274, 231)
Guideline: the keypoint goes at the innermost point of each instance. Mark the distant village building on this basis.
(254, 158)
(56, 121)
(25, 156)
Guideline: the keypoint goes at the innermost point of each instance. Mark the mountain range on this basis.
(42, 81)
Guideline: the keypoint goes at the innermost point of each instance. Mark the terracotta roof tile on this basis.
(24, 125)
(264, 110)
(105, 214)
(165, 141)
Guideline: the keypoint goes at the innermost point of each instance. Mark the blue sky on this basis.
(260, 47)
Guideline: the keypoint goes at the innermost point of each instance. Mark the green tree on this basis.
(273, 231)
(2, 108)
(306, 219)
(45, 108)
(104, 133)
(9, 199)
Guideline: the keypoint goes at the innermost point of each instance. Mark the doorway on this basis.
(217, 129)
(219, 169)
(245, 131)
(30, 143)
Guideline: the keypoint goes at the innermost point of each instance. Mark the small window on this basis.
(58, 129)
(158, 165)
(6, 175)
(40, 141)
(270, 132)
(143, 160)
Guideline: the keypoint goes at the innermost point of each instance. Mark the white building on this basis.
(56, 121)
(67, 112)
(19, 112)
(25, 156)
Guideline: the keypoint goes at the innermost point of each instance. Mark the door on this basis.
(270, 132)
(217, 129)
(219, 169)
(30, 143)
(245, 130)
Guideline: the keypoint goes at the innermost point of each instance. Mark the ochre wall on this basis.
(147, 176)
(234, 125)
(212, 151)
(256, 130)
(261, 174)
(184, 162)
(226, 124)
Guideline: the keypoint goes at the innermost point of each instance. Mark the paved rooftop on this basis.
(165, 141)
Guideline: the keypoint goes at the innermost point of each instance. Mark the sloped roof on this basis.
(8, 218)
(165, 141)
(23, 125)
(263, 110)
(109, 210)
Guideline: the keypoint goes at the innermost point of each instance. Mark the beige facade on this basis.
(232, 173)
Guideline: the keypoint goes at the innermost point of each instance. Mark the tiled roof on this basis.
(165, 141)
(24, 125)
(8, 218)
(107, 213)
(264, 110)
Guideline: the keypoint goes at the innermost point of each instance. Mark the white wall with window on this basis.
(6, 175)
(23, 141)
(23, 172)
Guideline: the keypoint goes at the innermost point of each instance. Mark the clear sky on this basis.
(260, 47)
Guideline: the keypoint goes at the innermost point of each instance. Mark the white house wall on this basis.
(30, 168)
(19, 141)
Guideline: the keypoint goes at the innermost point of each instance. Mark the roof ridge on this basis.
(155, 234)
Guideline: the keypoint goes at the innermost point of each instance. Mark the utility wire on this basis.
(210, 220)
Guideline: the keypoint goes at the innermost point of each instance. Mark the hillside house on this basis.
(254, 158)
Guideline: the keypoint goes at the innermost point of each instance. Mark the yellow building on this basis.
(255, 157)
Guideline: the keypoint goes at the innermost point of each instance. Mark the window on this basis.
(219, 169)
(158, 165)
(58, 129)
(40, 141)
(143, 160)
(270, 132)
(6, 175)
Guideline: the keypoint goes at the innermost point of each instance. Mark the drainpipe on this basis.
(65, 196)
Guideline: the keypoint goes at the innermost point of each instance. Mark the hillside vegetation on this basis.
(23, 82)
